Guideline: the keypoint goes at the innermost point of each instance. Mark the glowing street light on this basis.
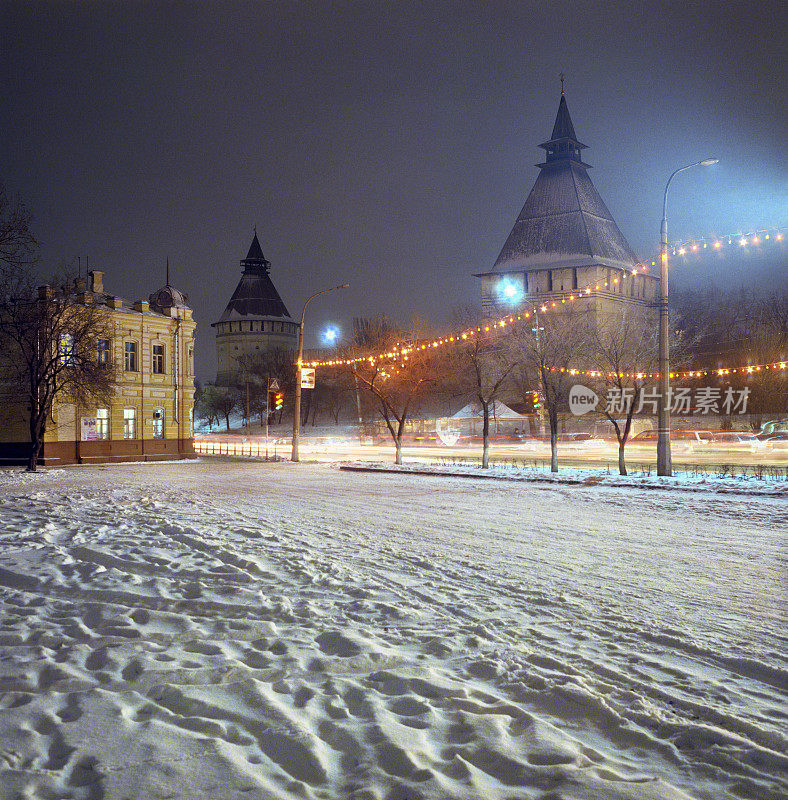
(509, 291)
(330, 335)
(664, 466)
(299, 364)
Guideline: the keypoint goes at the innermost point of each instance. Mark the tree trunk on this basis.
(622, 467)
(486, 438)
(227, 422)
(553, 449)
(36, 441)
(398, 456)
(32, 461)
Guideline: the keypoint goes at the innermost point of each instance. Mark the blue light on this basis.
(509, 291)
(330, 335)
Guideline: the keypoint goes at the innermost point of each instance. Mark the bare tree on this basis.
(204, 405)
(396, 383)
(558, 344)
(17, 246)
(49, 339)
(476, 368)
(259, 368)
(624, 353)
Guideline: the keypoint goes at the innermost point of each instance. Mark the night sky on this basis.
(384, 144)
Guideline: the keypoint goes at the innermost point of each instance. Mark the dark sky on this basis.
(390, 145)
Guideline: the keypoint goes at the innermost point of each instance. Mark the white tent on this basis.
(498, 411)
(501, 415)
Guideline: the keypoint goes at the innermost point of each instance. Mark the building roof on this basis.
(255, 295)
(564, 221)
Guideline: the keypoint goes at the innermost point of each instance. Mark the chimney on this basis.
(141, 305)
(114, 302)
(79, 285)
(46, 292)
(96, 281)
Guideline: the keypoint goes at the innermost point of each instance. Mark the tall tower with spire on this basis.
(565, 239)
(255, 321)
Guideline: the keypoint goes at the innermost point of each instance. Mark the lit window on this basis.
(103, 351)
(158, 359)
(129, 423)
(158, 423)
(130, 357)
(102, 422)
(66, 350)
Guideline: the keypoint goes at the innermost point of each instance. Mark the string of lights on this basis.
(402, 351)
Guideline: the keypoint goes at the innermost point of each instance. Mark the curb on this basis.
(591, 480)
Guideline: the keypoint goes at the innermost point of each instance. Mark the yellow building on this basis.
(151, 345)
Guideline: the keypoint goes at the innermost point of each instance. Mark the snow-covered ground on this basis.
(216, 629)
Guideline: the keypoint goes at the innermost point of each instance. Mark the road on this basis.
(569, 455)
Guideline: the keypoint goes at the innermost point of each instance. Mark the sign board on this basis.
(88, 431)
(273, 385)
(307, 378)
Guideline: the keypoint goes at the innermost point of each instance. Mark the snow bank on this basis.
(739, 484)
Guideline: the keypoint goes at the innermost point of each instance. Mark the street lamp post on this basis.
(299, 360)
(664, 466)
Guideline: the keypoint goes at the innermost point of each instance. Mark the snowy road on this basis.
(247, 630)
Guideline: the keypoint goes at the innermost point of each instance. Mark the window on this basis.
(103, 351)
(158, 423)
(102, 422)
(158, 359)
(191, 361)
(130, 358)
(66, 350)
(129, 423)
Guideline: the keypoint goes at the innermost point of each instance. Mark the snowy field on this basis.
(226, 630)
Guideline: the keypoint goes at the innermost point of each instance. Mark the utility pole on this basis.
(299, 364)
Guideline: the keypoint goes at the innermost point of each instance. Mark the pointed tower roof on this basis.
(564, 222)
(563, 128)
(255, 251)
(255, 296)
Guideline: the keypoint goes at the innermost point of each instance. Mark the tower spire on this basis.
(563, 143)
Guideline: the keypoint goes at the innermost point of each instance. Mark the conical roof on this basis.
(255, 295)
(563, 128)
(255, 251)
(564, 221)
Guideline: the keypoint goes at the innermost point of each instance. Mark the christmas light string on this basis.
(693, 245)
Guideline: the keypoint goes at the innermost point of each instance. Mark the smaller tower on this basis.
(254, 322)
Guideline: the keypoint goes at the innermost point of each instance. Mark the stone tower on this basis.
(564, 240)
(255, 320)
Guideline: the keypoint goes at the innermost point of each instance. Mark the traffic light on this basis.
(536, 400)
(279, 400)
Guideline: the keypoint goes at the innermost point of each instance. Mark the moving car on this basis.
(680, 441)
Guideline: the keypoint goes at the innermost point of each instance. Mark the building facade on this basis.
(150, 344)
(254, 322)
(565, 241)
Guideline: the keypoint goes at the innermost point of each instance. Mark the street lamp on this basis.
(297, 411)
(664, 466)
